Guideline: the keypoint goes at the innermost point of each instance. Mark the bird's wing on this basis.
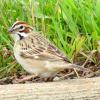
(37, 47)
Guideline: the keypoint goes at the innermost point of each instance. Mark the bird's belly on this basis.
(38, 67)
(30, 65)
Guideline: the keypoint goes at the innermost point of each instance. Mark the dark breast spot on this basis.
(24, 48)
(32, 40)
(28, 46)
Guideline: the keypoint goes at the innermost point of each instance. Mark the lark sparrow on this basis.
(35, 53)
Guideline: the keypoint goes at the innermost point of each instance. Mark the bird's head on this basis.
(20, 30)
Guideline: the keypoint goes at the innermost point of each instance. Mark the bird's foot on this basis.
(23, 80)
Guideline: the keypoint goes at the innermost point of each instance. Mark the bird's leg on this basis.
(27, 78)
(48, 79)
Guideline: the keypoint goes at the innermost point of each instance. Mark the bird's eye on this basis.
(21, 27)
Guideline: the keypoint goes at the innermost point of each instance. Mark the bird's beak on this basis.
(10, 30)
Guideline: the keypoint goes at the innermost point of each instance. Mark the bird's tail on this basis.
(60, 65)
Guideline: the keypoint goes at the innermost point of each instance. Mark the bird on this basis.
(35, 53)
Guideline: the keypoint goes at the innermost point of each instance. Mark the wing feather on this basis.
(37, 47)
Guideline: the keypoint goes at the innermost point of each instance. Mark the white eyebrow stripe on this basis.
(13, 26)
(17, 26)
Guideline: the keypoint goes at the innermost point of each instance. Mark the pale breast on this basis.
(30, 65)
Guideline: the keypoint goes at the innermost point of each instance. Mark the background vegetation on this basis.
(72, 25)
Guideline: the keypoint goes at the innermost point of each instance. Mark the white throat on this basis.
(18, 36)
